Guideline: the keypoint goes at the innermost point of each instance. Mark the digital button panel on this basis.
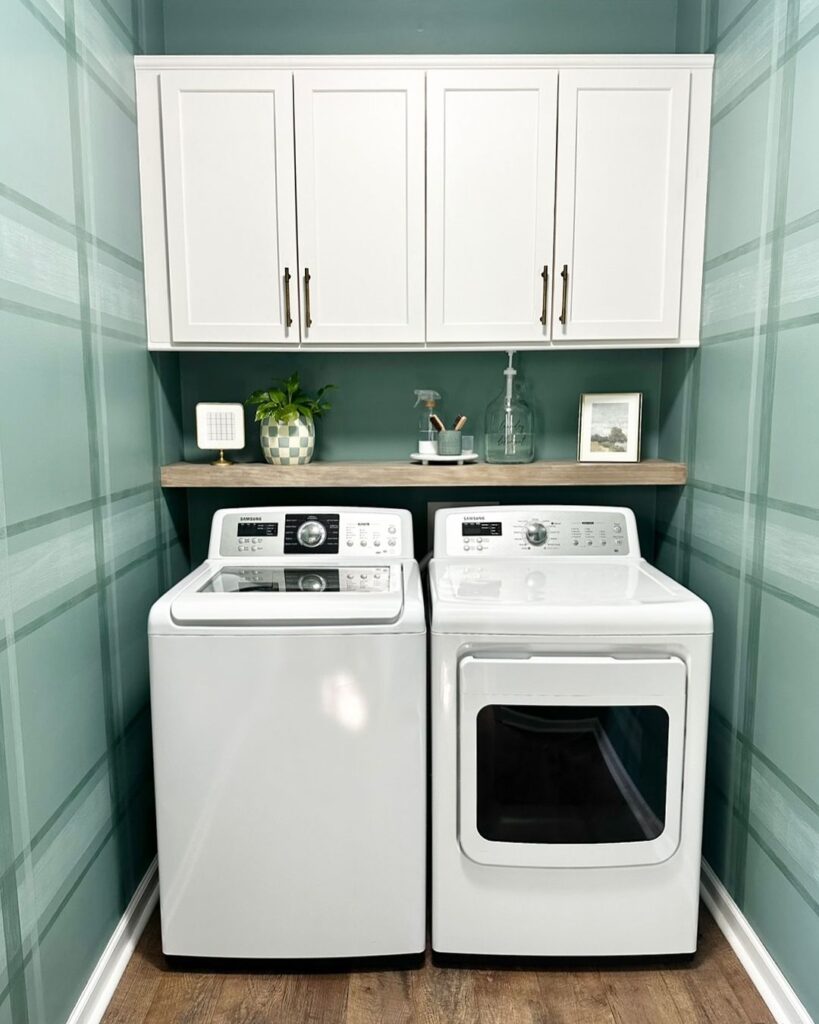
(273, 533)
(601, 534)
(376, 535)
(478, 533)
(252, 534)
(533, 530)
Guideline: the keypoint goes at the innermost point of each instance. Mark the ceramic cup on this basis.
(449, 442)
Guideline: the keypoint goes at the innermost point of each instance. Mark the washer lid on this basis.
(255, 595)
(561, 596)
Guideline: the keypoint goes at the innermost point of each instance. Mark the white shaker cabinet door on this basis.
(230, 205)
(491, 137)
(360, 170)
(620, 212)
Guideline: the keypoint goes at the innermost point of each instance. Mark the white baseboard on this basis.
(97, 994)
(767, 978)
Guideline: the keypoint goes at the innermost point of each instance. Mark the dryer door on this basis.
(570, 761)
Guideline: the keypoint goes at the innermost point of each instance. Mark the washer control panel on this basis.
(509, 531)
(274, 532)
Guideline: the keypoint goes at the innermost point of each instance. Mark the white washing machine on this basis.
(569, 707)
(288, 699)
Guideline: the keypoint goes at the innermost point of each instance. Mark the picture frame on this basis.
(609, 427)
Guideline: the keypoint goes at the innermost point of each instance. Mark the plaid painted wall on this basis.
(86, 539)
(743, 411)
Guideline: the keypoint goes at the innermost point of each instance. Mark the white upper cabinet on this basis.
(360, 168)
(491, 137)
(230, 201)
(403, 202)
(621, 201)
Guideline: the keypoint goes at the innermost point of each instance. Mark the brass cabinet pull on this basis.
(564, 273)
(288, 319)
(545, 276)
(308, 320)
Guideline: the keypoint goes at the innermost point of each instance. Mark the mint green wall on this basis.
(86, 540)
(743, 410)
(420, 26)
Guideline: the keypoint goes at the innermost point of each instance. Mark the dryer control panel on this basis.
(259, 533)
(508, 531)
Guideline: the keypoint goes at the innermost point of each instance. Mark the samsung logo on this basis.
(477, 519)
(250, 519)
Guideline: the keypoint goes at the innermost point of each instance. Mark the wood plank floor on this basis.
(710, 989)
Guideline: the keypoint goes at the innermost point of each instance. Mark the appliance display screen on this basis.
(481, 529)
(257, 530)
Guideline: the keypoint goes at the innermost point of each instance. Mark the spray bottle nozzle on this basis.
(427, 396)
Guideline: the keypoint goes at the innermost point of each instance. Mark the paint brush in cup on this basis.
(460, 423)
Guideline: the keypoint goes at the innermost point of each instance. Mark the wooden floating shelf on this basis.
(563, 473)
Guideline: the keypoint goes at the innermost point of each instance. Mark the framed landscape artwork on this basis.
(609, 427)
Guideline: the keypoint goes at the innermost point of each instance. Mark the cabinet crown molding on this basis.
(690, 61)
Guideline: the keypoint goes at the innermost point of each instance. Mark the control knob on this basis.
(536, 533)
(311, 534)
(312, 583)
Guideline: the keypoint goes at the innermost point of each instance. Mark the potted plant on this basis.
(286, 416)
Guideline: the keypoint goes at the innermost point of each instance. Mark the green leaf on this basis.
(285, 401)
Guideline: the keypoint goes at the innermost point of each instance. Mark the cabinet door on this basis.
(621, 179)
(491, 137)
(360, 169)
(231, 205)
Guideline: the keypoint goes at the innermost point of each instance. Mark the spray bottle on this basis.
(427, 434)
(509, 428)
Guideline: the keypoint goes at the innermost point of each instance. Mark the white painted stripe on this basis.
(48, 559)
(787, 824)
(39, 260)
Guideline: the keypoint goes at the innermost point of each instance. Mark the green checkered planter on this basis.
(288, 444)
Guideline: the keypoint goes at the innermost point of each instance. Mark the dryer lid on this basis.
(286, 595)
(558, 597)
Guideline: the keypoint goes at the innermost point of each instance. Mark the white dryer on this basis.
(288, 699)
(569, 708)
